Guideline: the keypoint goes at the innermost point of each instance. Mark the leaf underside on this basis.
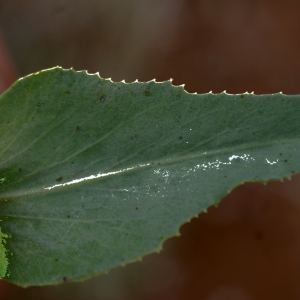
(98, 174)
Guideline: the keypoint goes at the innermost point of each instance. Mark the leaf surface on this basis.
(96, 174)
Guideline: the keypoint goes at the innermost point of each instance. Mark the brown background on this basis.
(248, 247)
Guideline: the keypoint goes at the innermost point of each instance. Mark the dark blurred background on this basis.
(248, 247)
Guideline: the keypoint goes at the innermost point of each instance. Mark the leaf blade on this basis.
(146, 156)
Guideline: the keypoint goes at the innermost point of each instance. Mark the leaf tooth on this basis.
(90, 74)
(82, 71)
(178, 232)
(158, 250)
(139, 259)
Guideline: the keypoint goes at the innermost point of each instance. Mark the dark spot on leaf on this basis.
(102, 98)
(58, 179)
(68, 216)
(136, 208)
(20, 169)
(65, 279)
(67, 92)
(56, 259)
(77, 128)
(242, 96)
(82, 205)
(180, 138)
(72, 163)
(280, 153)
(147, 92)
(39, 104)
(285, 160)
(134, 137)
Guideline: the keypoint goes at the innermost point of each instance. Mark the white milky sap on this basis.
(94, 177)
(205, 166)
(272, 162)
(166, 174)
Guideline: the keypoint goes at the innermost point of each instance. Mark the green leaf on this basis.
(3, 255)
(98, 174)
